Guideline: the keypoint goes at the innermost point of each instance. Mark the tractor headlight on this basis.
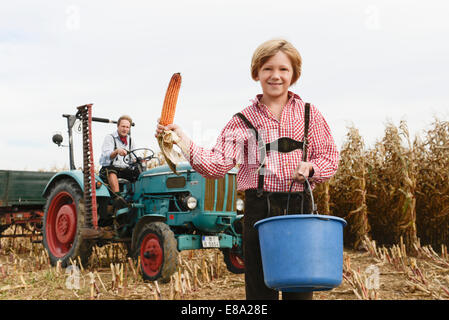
(191, 202)
(240, 204)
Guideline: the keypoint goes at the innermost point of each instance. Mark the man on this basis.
(115, 148)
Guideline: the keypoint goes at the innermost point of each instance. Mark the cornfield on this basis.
(398, 189)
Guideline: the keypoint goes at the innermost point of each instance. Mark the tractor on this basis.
(163, 212)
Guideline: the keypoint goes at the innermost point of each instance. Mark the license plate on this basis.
(210, 242)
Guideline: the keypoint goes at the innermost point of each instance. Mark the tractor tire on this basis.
(234, 260)
(158, 251)
(63, 219)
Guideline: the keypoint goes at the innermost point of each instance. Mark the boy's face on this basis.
(275, 76)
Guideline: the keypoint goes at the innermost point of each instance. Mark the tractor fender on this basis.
(142, 221)
(77, 176)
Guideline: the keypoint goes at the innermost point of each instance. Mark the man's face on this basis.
(123, 128)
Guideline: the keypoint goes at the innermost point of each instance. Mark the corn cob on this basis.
(171, 97)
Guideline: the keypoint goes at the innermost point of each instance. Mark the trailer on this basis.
(21, 200)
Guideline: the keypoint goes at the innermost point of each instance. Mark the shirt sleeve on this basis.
(323, 152)
(106, 150)
(227, 152)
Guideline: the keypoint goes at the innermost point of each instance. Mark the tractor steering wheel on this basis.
(136, 161)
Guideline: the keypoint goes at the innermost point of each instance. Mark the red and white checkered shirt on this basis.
(228, 151)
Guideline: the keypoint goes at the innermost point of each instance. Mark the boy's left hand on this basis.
(303, 170)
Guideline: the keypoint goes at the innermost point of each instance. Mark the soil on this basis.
(25, 273)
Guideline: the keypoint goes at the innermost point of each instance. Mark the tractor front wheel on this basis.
(157, 249)
(234, 260)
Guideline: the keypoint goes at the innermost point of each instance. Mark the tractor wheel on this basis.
(63, 220)
(158, 252)
(234, 260)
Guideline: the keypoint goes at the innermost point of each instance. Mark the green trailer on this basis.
(21, 199)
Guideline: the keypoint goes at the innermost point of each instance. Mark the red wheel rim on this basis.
(151, 255)
(61, 224)
(236, 260)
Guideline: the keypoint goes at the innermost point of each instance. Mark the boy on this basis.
(277, 118)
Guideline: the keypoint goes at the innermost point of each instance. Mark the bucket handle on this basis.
(306, 182)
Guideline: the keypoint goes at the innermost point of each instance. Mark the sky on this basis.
(364, 63)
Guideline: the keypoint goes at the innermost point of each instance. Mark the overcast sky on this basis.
(364, 63)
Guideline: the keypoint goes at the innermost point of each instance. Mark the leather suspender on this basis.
(259, 142)
(306, 131)
(115, 145)
(284, 144)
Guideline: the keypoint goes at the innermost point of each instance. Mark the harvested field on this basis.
(394, 196)
(371, 273)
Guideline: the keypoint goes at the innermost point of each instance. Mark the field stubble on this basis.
(370, 273)
(393, 196)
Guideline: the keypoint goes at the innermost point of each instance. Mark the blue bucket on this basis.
(302, 252)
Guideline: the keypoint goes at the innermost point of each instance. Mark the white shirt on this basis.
(109, 146)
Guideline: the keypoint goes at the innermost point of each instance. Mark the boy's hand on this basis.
(303, 170)
(183, 142)
(160, 128)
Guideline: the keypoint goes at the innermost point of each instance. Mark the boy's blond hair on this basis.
(268, 49)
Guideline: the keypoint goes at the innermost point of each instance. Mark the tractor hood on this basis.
(180, 167)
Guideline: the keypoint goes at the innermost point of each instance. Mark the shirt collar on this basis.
(116, 135)
(291, 96)
(124, 140)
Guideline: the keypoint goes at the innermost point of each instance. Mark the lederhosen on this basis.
(125, 173)
(261, 204)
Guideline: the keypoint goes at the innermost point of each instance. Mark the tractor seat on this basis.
(124, 182)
